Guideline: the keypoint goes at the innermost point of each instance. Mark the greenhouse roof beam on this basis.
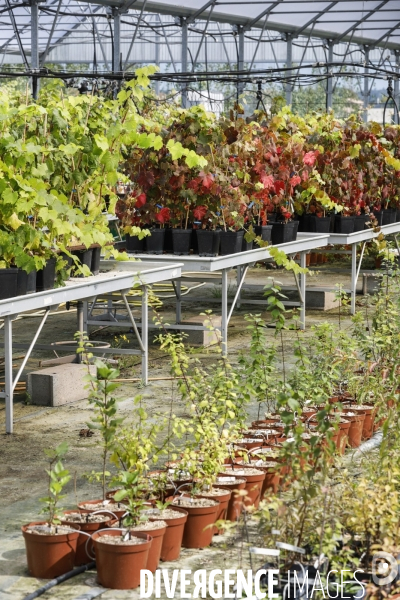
(362, 20)
(314, 20)
(176, 10)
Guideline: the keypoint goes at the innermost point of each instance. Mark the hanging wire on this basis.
(390, 97)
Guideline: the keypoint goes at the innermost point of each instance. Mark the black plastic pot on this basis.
(304, 222)
(386, 216)
(8, 283)
(194, 246)
(208, 241)
(231, 242)
(168, 240)
(397, 215)
(96, 254)
(283, 233)
(246, 245)
(318, 224)
(133, 244)
(85, 257)
(264, 232)
(155, 242)
(181, 240)
(344, 224)
(360, 222)
(45, 278)
(26, 282)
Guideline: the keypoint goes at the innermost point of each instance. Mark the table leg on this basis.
(8, 374)
(79, 317)
(145, 335)
(303, 291)
(178, 286)
(353, 278)
(238, 282)
(85, 314)
(224, 312)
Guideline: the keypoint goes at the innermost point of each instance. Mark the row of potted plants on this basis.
(59, 165)
(215, 465)
(327, 174)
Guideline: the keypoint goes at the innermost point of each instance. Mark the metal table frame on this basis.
(136, 274)
(353, 240)
(202, 265)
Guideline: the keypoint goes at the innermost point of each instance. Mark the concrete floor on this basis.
(22, 462)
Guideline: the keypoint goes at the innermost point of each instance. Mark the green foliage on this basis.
(58, 478)
(105, 419)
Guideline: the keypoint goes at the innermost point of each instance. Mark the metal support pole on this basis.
(35, 46)
(353, 277)
(79, 317)
(240, 84)
(238, 280)
(177, 285)
(184, 51)
(224, 312)
(29, 351)
(396, 87)
(117, 41)
(303, 291)
(366, 85)
(85, 316)
(8, 373)
(145, 335)
(157, 61)
(329, 82)
(289, 63)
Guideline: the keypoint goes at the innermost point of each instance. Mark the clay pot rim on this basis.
(56, 538)
(116, 548)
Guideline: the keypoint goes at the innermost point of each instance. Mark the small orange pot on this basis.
(234, 485)
(254, 482)
(356, 426)
(118, 567)
(50, 556)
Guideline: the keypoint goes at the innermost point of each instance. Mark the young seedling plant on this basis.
(58, 479)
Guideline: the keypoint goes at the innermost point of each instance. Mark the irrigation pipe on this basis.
(53, 582)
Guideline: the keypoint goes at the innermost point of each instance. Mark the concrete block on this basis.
(58, 385)
(206, 337)
(316, 298)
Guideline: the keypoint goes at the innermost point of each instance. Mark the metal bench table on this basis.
(134, 274)
(200, 266)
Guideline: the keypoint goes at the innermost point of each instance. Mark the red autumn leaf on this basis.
(199, 212)
(140, 200)
(206, 179)
(267, 180)
(310, 157)
(295, 180)
(279, 186)
(164, 215)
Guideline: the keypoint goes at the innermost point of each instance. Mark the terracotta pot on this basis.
(172, 540)
(81, 556)
(253, 486)
(249, 443)
(118, 567)
(356, 427)
(198, 530)
(223, 500)
(368, 425)
(263, 423)
(50, 556)
(235, 504)
(118, 513)
(343, 435)
(272, 474)
(156, 545)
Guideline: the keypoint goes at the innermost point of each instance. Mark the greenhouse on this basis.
(199, 299)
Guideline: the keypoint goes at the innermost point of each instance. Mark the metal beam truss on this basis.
(115, 36)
